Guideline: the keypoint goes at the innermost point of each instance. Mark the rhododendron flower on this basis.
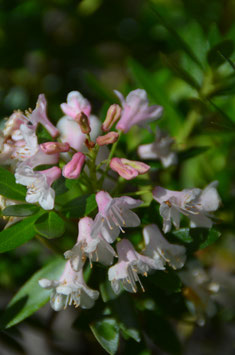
(96, 249)
(160, 149)
(136, 110)
(114, 213)
(130, 264)
(38, 184)
(196, 204)
(73, 168)
(128, 169)
(39, 115)
(159, 249)
(198, 290)
(70, 289)
(70, 132)
(76, 104)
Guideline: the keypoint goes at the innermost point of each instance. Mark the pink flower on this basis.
(54, 147)
(73, 168)
(160, 149)
(128, 169)
(96, 249)
(130, 264)
(76, 104)
(70, 132)
(39, 115)
(108, 138)
(136, 110)
(159, 249)
(196, 204)
(70, 289)
(114, 213)
(38, 184)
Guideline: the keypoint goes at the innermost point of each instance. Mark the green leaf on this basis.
(183, 235)
(50, 225)
(197, 238)
(23, 210)
(9, 188)
(182, 44)
(106, 332)
(31, 296)
(18, 233)
(218, 54)
(80, 206)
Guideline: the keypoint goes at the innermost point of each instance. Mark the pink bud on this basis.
(73, 169)
(83, 122)
(108, 138)
(113, 114)
(128, 169)
(54, 147)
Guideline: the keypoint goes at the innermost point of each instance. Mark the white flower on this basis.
(160, 149)
(130, 264)
(96, 249)
(70, 289)
(76, 104)
(38, 184)
(114, 213)
(196, 204)
(198, 291)
(159, 249)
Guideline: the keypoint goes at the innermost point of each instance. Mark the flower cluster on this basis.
(78, 149)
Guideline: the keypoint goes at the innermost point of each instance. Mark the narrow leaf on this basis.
(9, 188)
(80, 206)
(31, 296)
(23, 210)
(50, 225)
(18, 233)
(106, 332)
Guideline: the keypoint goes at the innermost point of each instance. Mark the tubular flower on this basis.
(39, 115)
(159, 249)
(198, 291)
(96, 249)
(130, 264)
(136, 110)
(54, 147)
(70, 132)
(73, 168)
(196, 204)
(70, 289)
(38, 184)
(76, 104)
(160, 149)
(114, 213)
(128, 169)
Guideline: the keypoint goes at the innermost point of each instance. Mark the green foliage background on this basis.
(182, 54)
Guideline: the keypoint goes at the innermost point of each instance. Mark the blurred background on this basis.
(182, 53)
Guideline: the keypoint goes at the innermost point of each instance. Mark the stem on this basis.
(112, 151)
(190, 122)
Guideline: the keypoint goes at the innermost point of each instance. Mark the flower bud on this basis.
(113, 114)
(54, 147)
(128, 169)
(108, 138)
(73, 168)
(83, 122)
(89, 144)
